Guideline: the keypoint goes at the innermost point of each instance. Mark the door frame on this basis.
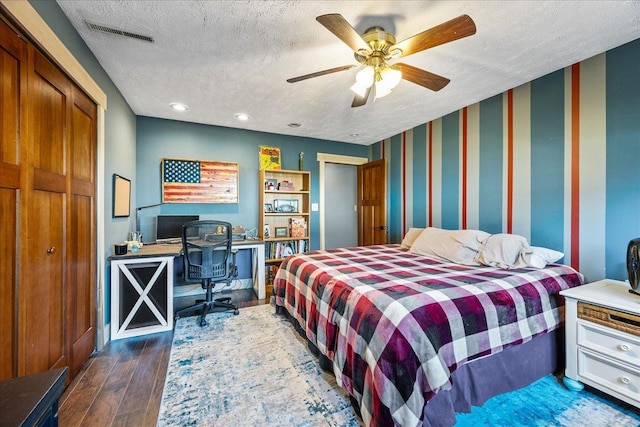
(338, 159)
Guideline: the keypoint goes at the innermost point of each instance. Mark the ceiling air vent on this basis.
(117, 32)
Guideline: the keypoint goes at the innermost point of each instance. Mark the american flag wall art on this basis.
(197, 181)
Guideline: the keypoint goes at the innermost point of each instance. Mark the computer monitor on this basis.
(169, 227)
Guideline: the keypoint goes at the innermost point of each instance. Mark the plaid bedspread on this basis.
(396, 325)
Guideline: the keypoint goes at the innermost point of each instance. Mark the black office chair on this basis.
(208, 259)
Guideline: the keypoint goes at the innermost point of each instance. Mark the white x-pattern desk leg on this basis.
(143, 295)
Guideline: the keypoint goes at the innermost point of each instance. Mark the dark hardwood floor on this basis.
(122, 384)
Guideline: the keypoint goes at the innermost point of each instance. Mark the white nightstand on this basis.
(603, 339)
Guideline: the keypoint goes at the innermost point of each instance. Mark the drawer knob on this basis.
(624, 347)
(625, 380)
(51, 250)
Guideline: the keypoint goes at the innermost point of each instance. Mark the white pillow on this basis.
(540, 257)
(459, 246)
(410, 237)
(504, 251)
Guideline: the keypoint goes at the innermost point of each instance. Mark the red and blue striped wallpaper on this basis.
(556, 160)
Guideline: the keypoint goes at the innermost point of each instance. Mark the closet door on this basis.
(13, 77)
(43, 253)
(80, 313)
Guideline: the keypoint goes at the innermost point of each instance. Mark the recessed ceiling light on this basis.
(294, 125)
(178, 106)
(354, 134)
(243, 116)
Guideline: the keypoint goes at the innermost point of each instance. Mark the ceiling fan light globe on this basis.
(365, 77)
(382, 89)
(359, 89)
(391, 76)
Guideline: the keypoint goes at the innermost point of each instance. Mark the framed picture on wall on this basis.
(199, 181)
(121, 196)
(270, 158)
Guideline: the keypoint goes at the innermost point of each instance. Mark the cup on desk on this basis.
(134, 246)
(120, 248)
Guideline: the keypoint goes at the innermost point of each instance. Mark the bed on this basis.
(414, 338)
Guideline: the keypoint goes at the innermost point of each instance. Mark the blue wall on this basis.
(159, 138)
(575, 150)
(547, 160)
(623, 152)
(490, 161)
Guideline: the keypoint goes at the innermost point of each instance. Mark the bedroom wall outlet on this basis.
(314, 207)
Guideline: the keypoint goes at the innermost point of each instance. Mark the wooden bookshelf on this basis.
(286, 199)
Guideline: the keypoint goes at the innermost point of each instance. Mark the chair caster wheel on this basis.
(236, 312)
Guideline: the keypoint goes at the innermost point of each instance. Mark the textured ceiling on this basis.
(225, 57)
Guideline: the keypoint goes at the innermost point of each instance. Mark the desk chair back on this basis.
(208, 259)
(207, 250)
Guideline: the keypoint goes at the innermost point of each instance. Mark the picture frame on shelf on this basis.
(287, 250)
(298, 227)
(286, 205)
(282, 232)
(267, 231)
(270, 184)
(268, 207)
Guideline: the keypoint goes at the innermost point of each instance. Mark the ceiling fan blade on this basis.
(455, 29)
(422, 77)
(339, 26)
(320, 73)
(359, 101)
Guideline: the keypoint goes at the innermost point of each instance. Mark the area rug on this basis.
(255, 369)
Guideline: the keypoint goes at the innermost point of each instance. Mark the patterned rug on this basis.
(255, 369)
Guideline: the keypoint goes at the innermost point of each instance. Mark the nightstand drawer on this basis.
(618, 345)
(614, 319)
(620, 378)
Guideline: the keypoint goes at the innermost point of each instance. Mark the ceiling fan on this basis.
(376, 48)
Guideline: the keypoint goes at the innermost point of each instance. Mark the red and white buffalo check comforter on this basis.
(396, 325)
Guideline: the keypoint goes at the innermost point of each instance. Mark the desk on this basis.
(142, 287)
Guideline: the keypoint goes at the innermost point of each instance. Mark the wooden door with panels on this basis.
(80, 319)
(13, 60)
(47, 206)
(43, 248)
(372, 203)
(60, 214)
